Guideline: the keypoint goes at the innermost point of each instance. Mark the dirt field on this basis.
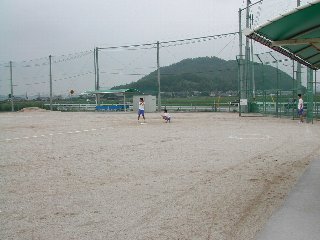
(104, 176)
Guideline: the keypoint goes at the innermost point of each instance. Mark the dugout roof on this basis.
(295, 34)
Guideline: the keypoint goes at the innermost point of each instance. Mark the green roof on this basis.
(295, 34)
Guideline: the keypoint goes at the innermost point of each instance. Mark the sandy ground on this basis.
(104, 176)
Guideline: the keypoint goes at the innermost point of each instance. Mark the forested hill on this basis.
(208, 74)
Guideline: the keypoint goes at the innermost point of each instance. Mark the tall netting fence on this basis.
(32, 82)
(215, 53)
(66, 78)
(270, 81)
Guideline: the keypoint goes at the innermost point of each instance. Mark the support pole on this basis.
(277, 84)
(310, 95)
(293, 92)
(263, 87)
(252, 74)
(124, 101)
(253, 84)
(240, 71)
(50, 77)
(11, 86)
(158, 68)
(299, 88)
(315, 93)
(247, 57)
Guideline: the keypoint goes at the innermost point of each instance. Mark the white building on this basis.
(150, 103)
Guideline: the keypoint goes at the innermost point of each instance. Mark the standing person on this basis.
(141, 109)
(300, 108)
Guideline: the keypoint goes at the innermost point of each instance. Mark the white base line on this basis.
(52, 134)
(251, 137)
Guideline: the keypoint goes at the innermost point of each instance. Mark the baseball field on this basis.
(93, 175)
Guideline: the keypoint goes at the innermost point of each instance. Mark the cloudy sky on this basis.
(38, 28)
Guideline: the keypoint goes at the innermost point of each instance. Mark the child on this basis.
(166, 116)
(141, 109)
(300, 108)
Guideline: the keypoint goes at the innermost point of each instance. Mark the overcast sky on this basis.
(38, 28)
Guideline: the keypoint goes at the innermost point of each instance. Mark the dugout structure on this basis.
(296, 35)
(97, 93)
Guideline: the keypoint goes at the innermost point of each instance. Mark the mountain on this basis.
(208, 74)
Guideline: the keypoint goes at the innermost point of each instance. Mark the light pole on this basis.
(243, 73)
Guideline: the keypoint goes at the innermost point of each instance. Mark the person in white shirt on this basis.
(141, 109)
(166, 116)
(300, 108)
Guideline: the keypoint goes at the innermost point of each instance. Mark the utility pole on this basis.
(11, 85)
(158, 68)
(95, 69)
(50, 75)
(97, 73)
